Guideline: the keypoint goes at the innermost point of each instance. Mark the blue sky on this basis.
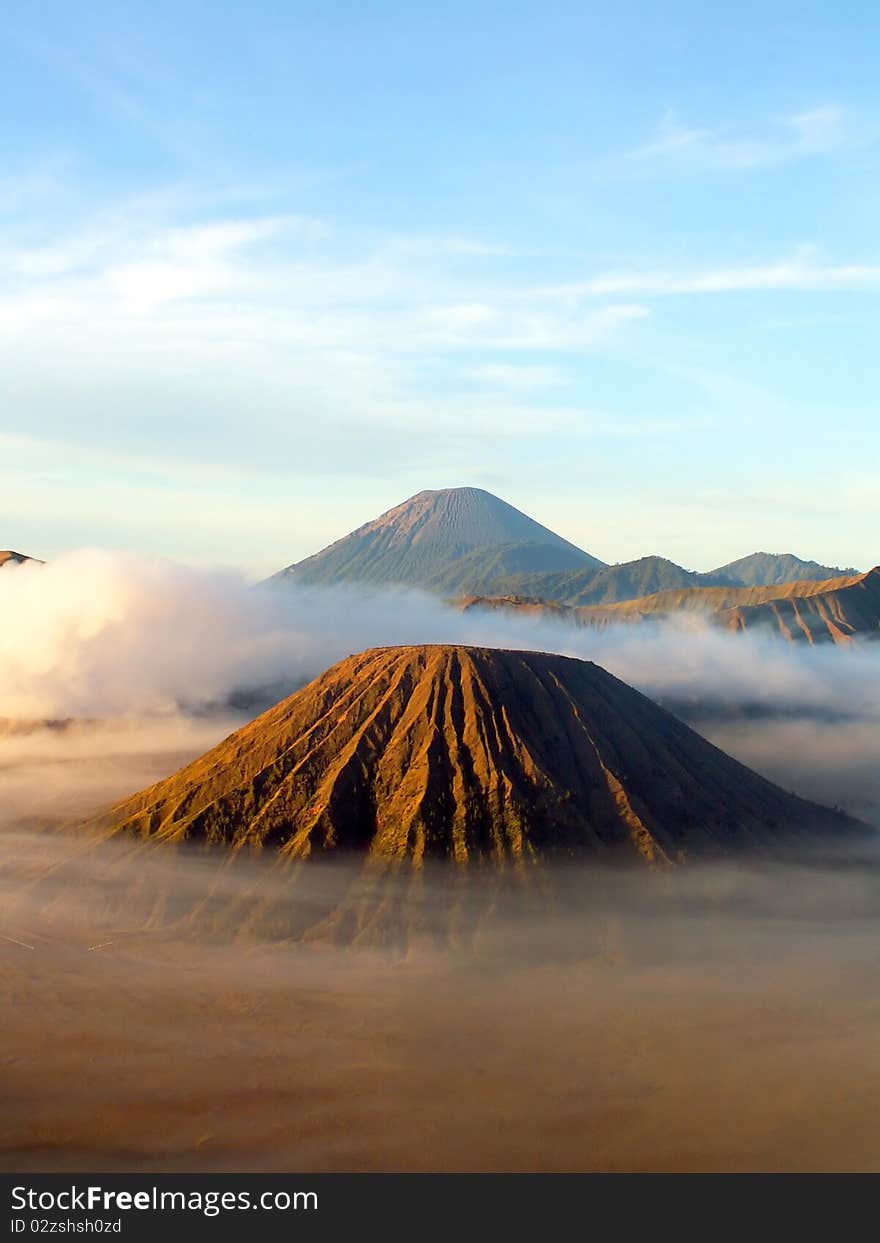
(267, 269)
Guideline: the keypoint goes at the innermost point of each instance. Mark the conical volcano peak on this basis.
(466, 517)
(466, 754)
(445, 540)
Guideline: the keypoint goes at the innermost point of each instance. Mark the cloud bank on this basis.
(96, 633)
(99, 635)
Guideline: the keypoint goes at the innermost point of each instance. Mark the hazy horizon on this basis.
(256, 569)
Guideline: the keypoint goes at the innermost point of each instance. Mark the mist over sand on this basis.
(715, 1018)
(722, 1018)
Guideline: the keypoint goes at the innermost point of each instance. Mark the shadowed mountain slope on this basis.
(493, 568)
(627, 580)
(445, 539)
(466, 754)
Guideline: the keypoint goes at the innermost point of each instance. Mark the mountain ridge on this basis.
(838, 611)
(772, 569)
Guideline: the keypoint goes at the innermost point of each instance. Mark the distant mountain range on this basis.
(466, 542)
(625, 581)
(770, 569)
(836, 610)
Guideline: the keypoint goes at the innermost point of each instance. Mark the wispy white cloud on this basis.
(817, 131)
(518, 377)
(804, 270)
(178, 339)
(272, 280)
(112, 241)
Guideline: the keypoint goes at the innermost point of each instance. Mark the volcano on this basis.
(454, 539)
(468, 754)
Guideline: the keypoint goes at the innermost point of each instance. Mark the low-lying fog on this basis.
(714, 1018)
(722, 1018)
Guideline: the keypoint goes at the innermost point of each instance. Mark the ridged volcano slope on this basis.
(446, 541)
(461, 753)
